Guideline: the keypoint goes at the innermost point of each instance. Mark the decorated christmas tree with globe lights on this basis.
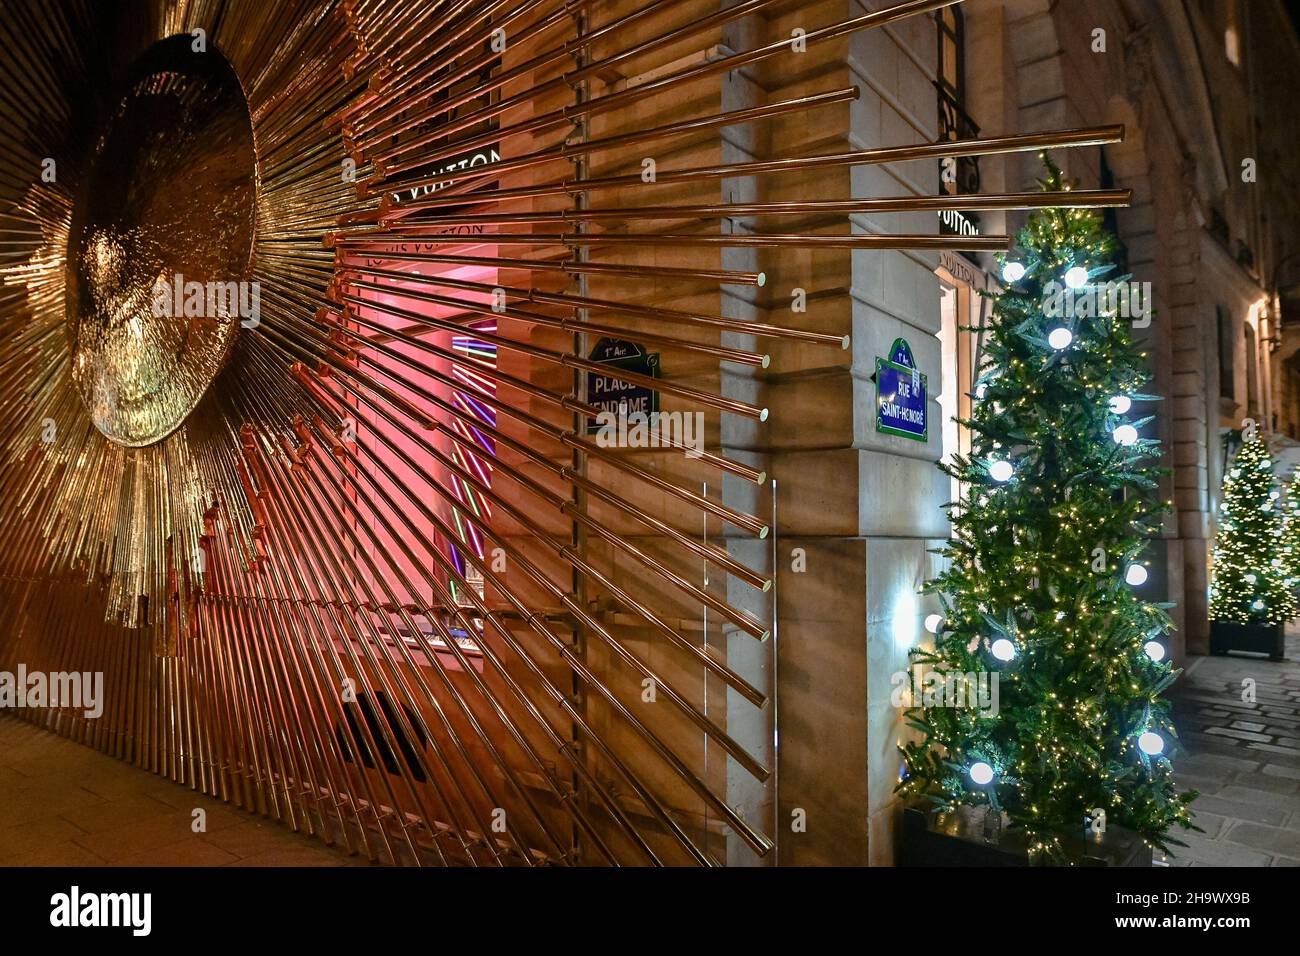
(1041, 569)
(1289, 552)
(1251, 572)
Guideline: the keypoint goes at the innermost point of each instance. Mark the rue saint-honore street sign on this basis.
(608, 392)
(901, 394)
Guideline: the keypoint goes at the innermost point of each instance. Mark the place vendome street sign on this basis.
(901, 394)
(609, 393)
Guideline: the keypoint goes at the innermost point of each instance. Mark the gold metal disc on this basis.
(159, 256)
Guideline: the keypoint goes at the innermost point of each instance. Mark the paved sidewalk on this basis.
(63, 804)
(1243, 755)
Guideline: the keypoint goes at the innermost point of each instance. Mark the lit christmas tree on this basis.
(1250, 575)
(1042, 562)
(1289, 553)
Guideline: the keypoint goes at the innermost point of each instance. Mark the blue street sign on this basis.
(608, 392)
(901, 394)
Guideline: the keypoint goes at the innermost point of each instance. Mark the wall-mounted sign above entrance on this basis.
(486, 156)
(608, 392)
(901, 394)
(954, 223)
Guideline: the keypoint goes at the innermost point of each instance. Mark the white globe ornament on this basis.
(1013, 271)
(1136, 575)
(1059, 338)
(1125, 435)
(981, 773)
(1120, 404)
(1151, 743)
(933, 622)
(1257, 604)
(1001, 471)
(1250, 579)
(1155, 650)
(1003, 649)
(1077, 277)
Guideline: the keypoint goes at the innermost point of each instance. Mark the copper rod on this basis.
(581, 42)
(384, 170)
(720, 352)
(698, 396)
(759, 842)
(569, 266)
(726, 64)
(566, 402)
(985, 146)
(918, 242)
(577, 301)
(1079, 199)
(739, 519)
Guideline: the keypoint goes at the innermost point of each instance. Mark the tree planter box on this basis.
(960, 839)
(1262, 638)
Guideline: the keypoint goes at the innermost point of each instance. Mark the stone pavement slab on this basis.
(64, 804)
(1238, 718)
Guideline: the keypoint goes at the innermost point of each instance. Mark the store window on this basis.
(1252, 371)
(961, 279)
(963, 174)
(1232, 33)
(949, 381)
(1223, 17)
(1110, 218)
(444, 372)
(960, 336)
(1227, 382)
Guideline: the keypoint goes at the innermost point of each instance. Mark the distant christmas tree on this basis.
(1290, 550)
(1041, 565)
(1250, 573)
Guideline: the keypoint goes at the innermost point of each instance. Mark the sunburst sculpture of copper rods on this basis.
(362, 561)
